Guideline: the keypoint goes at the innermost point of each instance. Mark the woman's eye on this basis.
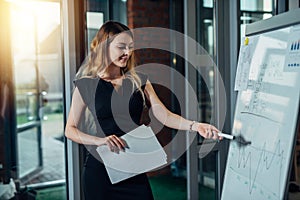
(124, 47)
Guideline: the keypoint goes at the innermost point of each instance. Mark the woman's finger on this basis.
(210, 133)
(204, 133)
(121, 143)
(112, 144)
(117, 143)
(109, 144)
(215, 137)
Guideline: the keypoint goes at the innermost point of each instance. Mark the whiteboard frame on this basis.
(277, 22)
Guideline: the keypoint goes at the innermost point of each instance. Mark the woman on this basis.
(110, 72)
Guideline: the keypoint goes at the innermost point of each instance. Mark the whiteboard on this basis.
(268, 84)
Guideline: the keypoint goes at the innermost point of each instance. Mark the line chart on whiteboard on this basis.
(266, 161)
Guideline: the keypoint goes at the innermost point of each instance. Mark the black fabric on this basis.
(119, 111)
(115, 112)
(97, 186)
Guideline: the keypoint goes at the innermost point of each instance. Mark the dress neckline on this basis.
(117, 88)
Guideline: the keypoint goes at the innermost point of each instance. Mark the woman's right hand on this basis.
(114, 143)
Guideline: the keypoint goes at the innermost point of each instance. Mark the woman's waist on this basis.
(118, 127)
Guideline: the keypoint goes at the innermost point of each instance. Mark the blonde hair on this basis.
(98, 58)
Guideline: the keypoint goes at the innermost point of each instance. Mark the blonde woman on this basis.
(110, 71)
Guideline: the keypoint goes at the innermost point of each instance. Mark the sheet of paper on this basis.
(144, 154)
(244, 62)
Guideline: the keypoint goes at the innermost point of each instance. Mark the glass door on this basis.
(26, 79)
(37, 67)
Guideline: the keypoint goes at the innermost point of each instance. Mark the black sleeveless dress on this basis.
(114, 112)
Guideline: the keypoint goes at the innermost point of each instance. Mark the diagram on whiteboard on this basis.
(292, 62)
(266, 114)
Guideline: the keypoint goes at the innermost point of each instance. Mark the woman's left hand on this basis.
(207, 131)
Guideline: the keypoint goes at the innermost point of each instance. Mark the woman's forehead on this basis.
(123, 38)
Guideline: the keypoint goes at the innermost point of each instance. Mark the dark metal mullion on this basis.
(217, 12)
(227, 30)
(38, 94)
(66, 183)
(110, 5)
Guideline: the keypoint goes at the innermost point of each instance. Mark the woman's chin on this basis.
(122, 65)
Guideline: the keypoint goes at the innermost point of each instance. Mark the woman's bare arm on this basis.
(74, 134)
(175, 121)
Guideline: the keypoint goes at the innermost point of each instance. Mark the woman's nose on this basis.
(127, 50)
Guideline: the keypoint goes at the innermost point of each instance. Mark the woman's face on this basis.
(120, 50)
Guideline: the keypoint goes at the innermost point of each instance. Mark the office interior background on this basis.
(44, 42)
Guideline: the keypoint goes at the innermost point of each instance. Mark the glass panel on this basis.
(26, 104)
(119, 10)
(257, 5)
(99, 11)
(205, 91)
(207, 167)
(205, 37)
(24, 59)
(253, 11)
(28, 151)
(94, 21)
(208, 3)
(38, 77)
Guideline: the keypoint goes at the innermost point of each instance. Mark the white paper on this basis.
(144, 154)
(244, 62)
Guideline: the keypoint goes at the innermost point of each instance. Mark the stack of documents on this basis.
(144, 153)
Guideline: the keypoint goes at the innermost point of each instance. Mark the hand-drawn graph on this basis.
(266, 161)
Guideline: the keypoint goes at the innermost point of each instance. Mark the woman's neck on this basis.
(112, 72)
